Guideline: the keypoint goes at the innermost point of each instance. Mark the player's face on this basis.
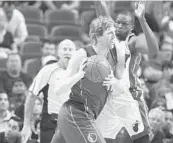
(123, 25)
(108, 37)
(65, 51)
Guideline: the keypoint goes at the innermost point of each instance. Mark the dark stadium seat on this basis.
(62, 32)
(30, 50)
(32, 39)
(86, 18)
(37, 30)
(59, 17)
(32, 15)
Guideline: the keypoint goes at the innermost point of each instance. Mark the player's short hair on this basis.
(128, 13)
(99, 25)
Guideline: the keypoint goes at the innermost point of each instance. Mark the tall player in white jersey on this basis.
(125, 112)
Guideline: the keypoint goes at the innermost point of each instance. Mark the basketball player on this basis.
(77, 115)
(124, 115)
(45, 82)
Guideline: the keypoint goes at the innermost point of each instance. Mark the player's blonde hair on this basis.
(99, 25)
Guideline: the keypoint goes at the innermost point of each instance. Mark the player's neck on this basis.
(100, 50)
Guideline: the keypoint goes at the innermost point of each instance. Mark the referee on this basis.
(45, 82)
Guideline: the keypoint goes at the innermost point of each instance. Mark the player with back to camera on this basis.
(124, 118)
(77, 115)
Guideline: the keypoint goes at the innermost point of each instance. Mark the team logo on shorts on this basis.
(136, 126)
(92, 137)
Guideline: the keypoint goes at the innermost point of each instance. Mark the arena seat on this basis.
(32, 15)
(37, 30)
(30, 50)
(62, 32)
(59, 17)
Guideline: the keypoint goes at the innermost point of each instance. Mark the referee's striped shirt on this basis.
(46, 82)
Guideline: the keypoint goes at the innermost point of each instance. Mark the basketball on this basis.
(97, 68)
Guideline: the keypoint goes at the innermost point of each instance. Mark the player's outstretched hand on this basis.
(140, 9)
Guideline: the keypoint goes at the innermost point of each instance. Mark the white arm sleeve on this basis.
(41, 79)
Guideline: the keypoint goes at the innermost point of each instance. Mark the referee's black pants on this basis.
(47, 127)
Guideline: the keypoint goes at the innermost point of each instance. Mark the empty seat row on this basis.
(37, 32)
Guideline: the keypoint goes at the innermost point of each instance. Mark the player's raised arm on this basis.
(101, 8)
(145, 44)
